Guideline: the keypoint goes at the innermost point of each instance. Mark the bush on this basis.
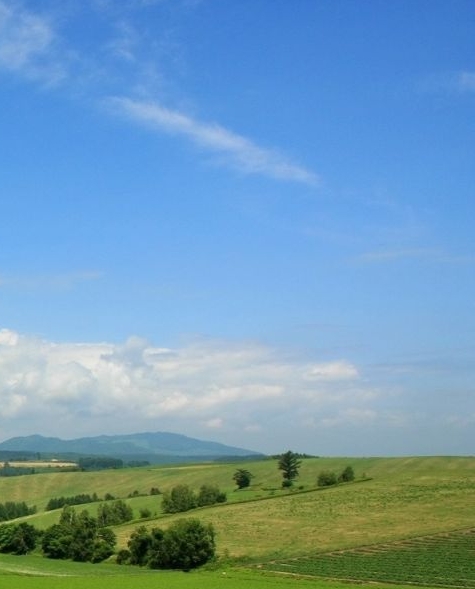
(327, 478)
(185, 545)
(123, 556)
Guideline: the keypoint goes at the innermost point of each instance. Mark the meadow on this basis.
(264, 532)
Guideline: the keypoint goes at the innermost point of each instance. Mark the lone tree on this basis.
(289, 464)
(242, 478)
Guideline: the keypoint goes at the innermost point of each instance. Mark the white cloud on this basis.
(239, 151)
(332, 371)
(213, 383)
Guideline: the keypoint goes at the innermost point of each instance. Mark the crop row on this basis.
(443, 561)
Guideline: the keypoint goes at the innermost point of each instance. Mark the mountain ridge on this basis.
(147, 444)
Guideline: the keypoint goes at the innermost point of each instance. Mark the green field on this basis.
(392, 500)
(442, 560)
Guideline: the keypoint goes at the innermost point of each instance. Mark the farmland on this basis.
(442, 560)
(399, 517)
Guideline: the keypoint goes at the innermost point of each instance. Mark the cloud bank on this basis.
(73, 389)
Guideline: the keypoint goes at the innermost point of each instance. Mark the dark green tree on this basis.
(347, 475)
(139, 545)
(17, 538)
(289, 464)
(78, 537)
(185, 545)
(209, 495)
(242, 478)
(180, 498)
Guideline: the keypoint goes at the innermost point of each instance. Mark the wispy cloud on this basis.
(429, 254)
(27, 44)
(453, 83)
(240, 152)
(466, 81)
(62, 281)
(31, 47)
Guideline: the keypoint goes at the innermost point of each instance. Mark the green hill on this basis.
(402, 497)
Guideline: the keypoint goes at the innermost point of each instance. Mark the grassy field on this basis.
(83, 576)
(399, 498)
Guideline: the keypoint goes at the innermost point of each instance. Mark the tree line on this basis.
(12, 510)
(289, 463)
(80, 537)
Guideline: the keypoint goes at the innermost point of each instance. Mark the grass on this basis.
(32, 572)
(403, 498)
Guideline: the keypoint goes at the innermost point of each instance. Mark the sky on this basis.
(248, 222)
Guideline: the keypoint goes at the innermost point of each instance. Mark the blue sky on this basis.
(248, 221)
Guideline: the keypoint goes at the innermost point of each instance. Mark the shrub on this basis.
(327, 478)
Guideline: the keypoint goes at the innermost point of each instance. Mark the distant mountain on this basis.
(154, 447)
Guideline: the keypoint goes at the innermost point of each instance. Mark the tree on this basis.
(242, 478)
(289, 464)
(347, 475)
(114, 514)
(17, 538)
(139, 545)
(79, 537)
(185, 545)
(180, 498)
(209, 495)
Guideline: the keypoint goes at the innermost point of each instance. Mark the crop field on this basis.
(443, 560)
